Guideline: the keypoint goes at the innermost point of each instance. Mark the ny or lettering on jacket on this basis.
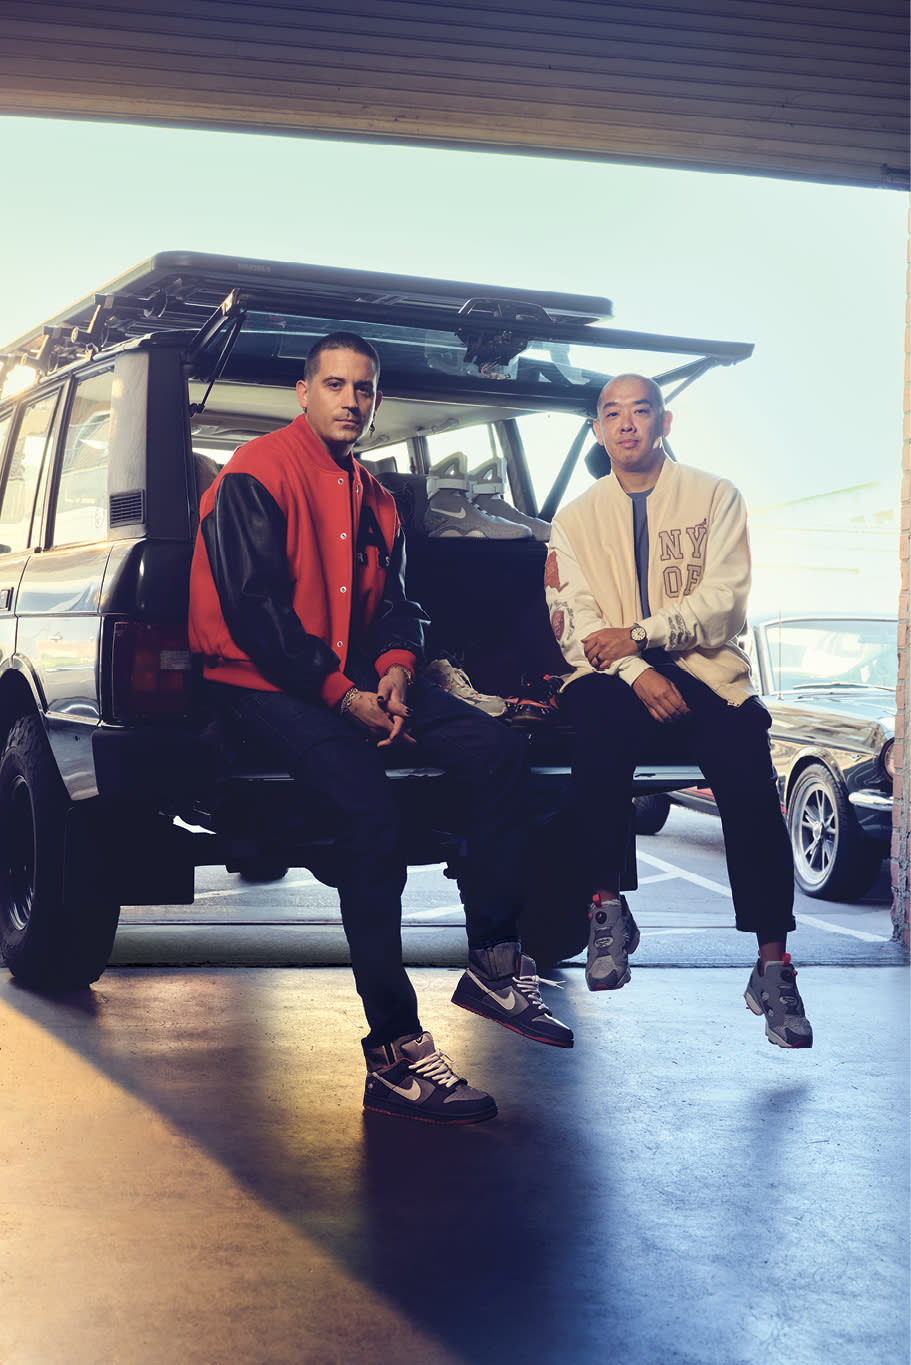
(298, 569)
(698, 576)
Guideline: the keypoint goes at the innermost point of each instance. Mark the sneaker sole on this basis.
(532, 1037)
(770, 1034)
(425, 1118)
(603, 986)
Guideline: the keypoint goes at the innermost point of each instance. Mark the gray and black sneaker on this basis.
(457, 681)
(502, 984)
(773, 993)
(410, 1078)
(613, 934)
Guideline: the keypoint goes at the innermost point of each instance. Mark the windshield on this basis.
(819, 653)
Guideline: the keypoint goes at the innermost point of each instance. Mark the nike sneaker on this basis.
(487, 489)
(410, 1078)
(613, 934)
(501, 983)
(451, 514)
(450, 472)
(456, 681)
(773, 992)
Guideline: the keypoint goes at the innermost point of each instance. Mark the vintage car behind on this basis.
(829, 682)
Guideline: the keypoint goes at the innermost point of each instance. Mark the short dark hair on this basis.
(339, 341)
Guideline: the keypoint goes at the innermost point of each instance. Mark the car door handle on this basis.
(6, 599)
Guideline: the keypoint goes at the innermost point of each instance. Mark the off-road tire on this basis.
(56, 926)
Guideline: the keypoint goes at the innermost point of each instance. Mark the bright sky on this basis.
(814, 275)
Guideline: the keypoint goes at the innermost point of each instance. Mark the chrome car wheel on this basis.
(833, 859)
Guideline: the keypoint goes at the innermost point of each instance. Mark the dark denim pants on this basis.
(614, 732)
(343, 776)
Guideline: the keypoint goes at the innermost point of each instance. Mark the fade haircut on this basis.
(656, 397)
(339, 341)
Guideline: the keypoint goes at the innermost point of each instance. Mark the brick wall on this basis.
(901, 816)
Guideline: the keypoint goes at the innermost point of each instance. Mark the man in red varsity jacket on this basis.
(311, 650)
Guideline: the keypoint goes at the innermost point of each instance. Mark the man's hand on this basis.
(382, 714)
(391, 694)
(660, 697)
(606, 646)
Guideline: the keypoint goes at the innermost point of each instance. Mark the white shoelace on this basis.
(437, 1067)
(530, 986)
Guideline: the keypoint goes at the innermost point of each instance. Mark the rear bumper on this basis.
(158, 764)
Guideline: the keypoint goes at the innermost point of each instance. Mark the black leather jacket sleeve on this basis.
(398, 623)
(245, 536)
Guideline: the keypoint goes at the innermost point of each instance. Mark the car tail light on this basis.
(152, 671)
(887, 758)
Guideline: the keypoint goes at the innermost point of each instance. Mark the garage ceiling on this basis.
(817, 91)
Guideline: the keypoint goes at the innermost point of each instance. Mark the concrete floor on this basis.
(189, 1177)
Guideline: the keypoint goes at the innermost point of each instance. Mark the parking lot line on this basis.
(434, 912)
(815, 923)
(673, 871)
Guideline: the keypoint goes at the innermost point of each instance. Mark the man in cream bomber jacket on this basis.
(647, 580)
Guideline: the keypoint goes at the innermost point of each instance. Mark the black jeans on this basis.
(614, 732)
(342, 776)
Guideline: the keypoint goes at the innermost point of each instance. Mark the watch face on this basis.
(638, 634)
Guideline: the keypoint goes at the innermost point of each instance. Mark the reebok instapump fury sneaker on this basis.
(774, 994)
(613, 934)
(502, 984)
(411, 1079)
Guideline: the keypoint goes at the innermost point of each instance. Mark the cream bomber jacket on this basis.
(698, 576)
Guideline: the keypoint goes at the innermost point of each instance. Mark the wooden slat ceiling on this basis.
(817, 91)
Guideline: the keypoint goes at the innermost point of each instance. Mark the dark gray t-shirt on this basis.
(640, 539)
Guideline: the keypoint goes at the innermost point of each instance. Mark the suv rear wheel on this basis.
(56, 927)
(650, 812)
(261, 868)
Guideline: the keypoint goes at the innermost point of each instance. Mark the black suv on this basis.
(114, 784)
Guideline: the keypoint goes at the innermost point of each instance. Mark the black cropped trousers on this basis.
(614, 732)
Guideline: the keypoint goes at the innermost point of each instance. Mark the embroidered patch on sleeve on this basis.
(552, 573)
(561, 621)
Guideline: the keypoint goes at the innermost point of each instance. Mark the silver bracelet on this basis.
(407, 671)
(344, 705)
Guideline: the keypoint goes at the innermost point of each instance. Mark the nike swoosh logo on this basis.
(410, 1092)
(506, 1002)
(442, 512)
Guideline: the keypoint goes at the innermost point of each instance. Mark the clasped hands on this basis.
(383, 713)
(657, 693)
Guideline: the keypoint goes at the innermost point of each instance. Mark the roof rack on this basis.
(196, 294)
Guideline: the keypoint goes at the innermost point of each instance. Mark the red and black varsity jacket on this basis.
(298, 570)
